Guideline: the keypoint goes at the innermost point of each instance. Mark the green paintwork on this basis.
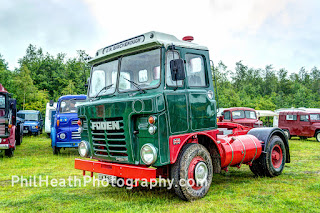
(177, 110)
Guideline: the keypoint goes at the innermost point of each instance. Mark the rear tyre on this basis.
(287, 133)
(192, 172)
(270, 163)
(317, 135)
(9, 152)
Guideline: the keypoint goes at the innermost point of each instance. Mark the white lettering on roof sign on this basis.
(122, 44)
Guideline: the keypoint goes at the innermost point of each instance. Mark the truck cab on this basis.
(241, 115)
(33, 121)
(65, 130)
(151, 112)
(302, 123)
(10, 133)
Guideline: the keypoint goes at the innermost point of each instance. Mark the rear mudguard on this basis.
(265, 133)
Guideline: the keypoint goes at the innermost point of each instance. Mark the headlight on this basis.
(152, 130)
(83, 149)
(34, 127)
(62, 136)
(148, 154)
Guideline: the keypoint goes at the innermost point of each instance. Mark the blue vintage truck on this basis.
(33, 121)
(65, 130)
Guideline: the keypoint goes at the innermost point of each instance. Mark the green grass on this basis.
(296, 190)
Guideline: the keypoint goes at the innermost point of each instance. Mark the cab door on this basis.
(175, 98)
(201, 101)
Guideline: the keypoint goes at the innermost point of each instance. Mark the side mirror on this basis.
(87, 84)
(51, 103)
(222, 113)
(177, 69)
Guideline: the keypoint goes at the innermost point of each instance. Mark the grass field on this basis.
(296, 190)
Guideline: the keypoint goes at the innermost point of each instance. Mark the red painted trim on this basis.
(12, 137)
(119, 170)
(175, 147)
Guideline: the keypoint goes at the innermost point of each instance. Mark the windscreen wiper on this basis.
(136, 85)
(104, 88)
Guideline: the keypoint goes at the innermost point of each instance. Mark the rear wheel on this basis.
(318, 135)
(192, 172)
(303, 137)
(271, 163)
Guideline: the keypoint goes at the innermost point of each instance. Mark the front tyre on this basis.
(192, 172)
(9, 152)
(287, 133)
(317, 135)
(271, 163)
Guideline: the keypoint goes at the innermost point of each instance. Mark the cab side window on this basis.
(304, 118)
(227, 115)
(195, 70)
(170, 56)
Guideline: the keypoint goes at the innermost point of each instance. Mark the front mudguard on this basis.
(53, 137)
(265, 133)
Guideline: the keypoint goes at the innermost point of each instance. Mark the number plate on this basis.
(109, 178)
(25, 131)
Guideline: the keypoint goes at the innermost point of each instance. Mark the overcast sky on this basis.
(284, 33)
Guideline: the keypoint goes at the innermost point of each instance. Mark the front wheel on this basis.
(192, 172)
(317, 135)
(55, 150)
(271, 163)
(287, 133)
(9, 152)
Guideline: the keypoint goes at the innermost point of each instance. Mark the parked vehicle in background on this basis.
(33, 121)
(151, 112)
(241, 115)
(65, 130)
(304, 123)
(269, 117)
(10, 134)
(50, 112)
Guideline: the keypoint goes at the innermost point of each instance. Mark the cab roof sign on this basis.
(147, 39)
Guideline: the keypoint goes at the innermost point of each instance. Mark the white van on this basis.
(49, 110)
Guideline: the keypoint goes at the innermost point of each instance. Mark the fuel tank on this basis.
(237, 150)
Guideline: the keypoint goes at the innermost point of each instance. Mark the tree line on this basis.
(267, 89)
(41, 77)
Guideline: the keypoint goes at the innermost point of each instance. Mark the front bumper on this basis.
(4, 146)
(68, 144)
(115, 169)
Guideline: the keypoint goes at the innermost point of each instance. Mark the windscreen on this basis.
(28, 116)
(70, 106)
(239, 114)
(2, 105)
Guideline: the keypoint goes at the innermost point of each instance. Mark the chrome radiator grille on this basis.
(109, 142)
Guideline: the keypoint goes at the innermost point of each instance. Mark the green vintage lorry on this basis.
(151, 112)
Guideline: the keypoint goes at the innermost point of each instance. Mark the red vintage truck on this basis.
(304, 123)
(10, 133)
(241, 115)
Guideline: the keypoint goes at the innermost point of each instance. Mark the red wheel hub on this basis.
(191, 172)
(276, 156)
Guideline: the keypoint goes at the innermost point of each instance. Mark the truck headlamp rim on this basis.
(62, 136)
(83, 149)
(148, 154)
